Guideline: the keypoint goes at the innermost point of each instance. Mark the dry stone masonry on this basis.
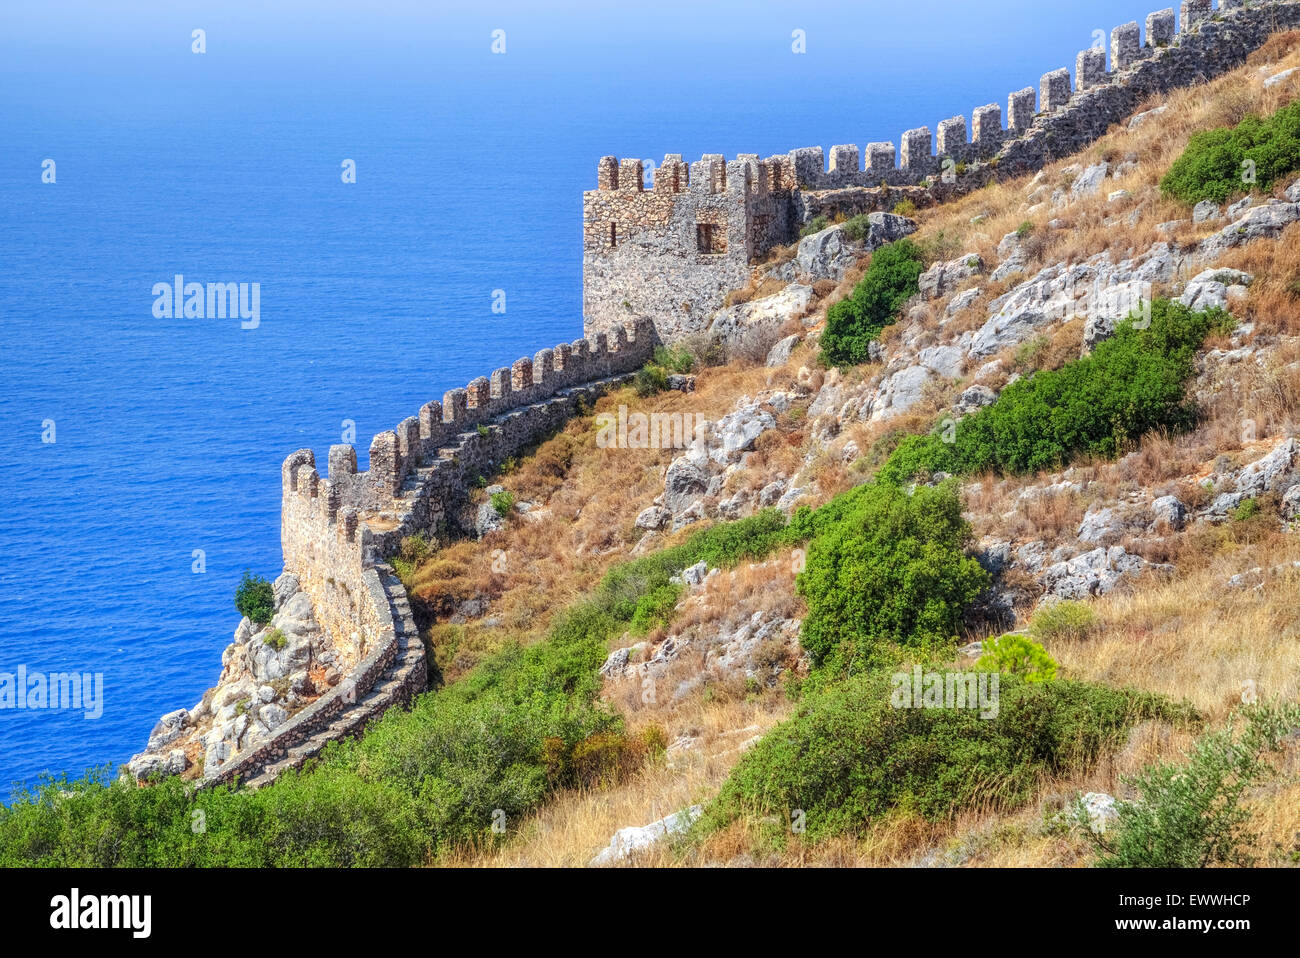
(337, 529)
(674, 250)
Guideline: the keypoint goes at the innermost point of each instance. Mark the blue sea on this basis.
(375, 296)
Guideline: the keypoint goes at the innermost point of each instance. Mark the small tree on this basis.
(255, 598)
(1189, 815)
(1017, 655)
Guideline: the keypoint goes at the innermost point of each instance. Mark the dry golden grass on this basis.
(576, 825)
(1188, 636)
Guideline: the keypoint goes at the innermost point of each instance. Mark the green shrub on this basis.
(857, 228)
(1189, 814)
(1127, 386)
(275, 639)
(503, 502)
(905, 208)
(848, 758)
(853, 322)
(814, 225)
(885, 566)
(1024, 229)
(654, 609)
(678, 361)
(255, 598)
(1068, 621)
(1248, 510)
(1211, 167)
(483, 430)
(1017, 655)
(650, 379)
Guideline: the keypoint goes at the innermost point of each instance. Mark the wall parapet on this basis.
(336, 530)
(656, 260)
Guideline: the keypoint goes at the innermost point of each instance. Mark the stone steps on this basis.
(374, 703)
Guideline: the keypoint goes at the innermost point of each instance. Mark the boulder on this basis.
(1088, 183)
(684, 483)
(487, 520)
(637, 838)
(974, 398)
(1100, 811)
(169, 728)
(1291, 504)
(760, 320)
(653, 518)
(946, 361)
(1214, 287)
(1141, 118)
(1170, 511)
(1090, 574)
(736, 432)
(1260, 222)
(1205, 210)
(942, 279)
(1275, 472)
(887, 228)
(1099, 524)
(825, 255)
(780, 354)
(900, 392)
(771, 493)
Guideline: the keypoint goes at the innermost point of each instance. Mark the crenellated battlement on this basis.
(674, 248)
(334, 526)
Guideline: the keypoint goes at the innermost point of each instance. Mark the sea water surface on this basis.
(375, 296)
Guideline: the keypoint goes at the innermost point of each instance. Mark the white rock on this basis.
(628, 841)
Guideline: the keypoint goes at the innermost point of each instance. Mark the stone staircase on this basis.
(403, 677)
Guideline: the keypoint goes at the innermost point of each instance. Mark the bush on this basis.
(503, 502)
(1017, 655)
(857, 228)
(848, 758)
(1248, 510)
(275, 639)
(1189, 815)
(1068, 621)
(904, 208)
(1129, 385)
(654, 609)
(650, 379)
(885, 566)
(853, 322)
(255, 598)
(814, 225)
(1211, 167)
(678, 361)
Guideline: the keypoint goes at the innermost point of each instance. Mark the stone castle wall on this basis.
(644, 253)
(336, 530)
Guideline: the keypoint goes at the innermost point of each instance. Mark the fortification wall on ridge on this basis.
(649, 252)
(336, 530)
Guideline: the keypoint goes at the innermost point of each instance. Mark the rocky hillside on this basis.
(1044, 435)
(1174, 556)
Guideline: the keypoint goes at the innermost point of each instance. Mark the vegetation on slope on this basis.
(885, 566)
(1222, 163)
(1131, 384)
(850, 757)
(853, 322)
